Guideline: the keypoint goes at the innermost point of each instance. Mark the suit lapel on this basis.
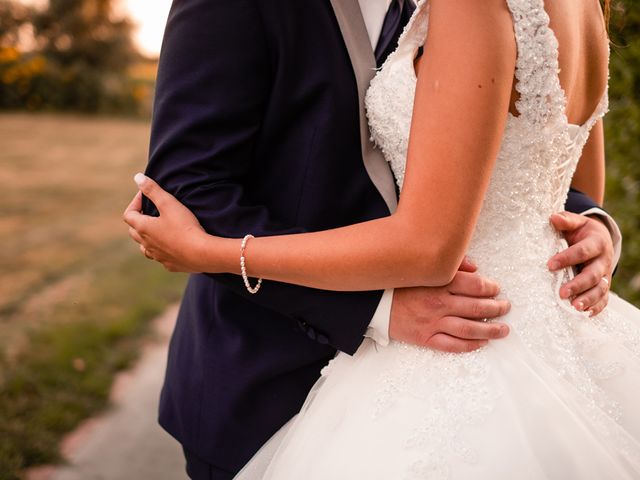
(356, 39)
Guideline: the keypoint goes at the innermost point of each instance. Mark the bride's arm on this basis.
(461, 105)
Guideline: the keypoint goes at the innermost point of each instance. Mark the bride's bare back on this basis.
(583, 47)
(583, 55)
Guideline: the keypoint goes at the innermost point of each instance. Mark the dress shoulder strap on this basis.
(415, 32)
(537, 68)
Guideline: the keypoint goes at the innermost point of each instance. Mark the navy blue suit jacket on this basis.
(256, 130)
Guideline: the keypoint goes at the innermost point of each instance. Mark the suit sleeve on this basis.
(213, 84)
(578, 202)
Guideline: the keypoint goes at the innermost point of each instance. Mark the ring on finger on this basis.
(485, 320)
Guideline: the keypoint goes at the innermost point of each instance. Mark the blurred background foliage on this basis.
(76, 299)
(72, 55)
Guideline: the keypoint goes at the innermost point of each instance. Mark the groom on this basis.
(259, 127)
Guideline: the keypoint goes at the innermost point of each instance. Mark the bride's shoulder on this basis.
(488, 17)
(484, 12)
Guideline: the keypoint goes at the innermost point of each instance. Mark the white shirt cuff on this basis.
(378, 329)
(612, 226)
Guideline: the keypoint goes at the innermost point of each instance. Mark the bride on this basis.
(495, 121)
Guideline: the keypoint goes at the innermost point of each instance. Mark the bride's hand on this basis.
(175, 238)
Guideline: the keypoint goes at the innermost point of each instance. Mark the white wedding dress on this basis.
(558, 399)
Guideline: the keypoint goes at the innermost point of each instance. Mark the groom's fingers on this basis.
(447, 343)
(590, 240)
(473, 285)
(586, 300)
(477, 308)
(567, 221)
(577, 254)
(472, 329)
(467, 265)
(600, 306)
(590, 277)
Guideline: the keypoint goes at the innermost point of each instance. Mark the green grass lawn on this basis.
(75, 294)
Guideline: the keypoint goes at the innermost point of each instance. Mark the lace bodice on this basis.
(538, 156)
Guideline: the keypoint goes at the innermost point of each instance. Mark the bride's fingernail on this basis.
(554, 265)
(579, 306)
(139, 178)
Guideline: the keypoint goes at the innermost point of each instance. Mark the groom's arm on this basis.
(212, 89)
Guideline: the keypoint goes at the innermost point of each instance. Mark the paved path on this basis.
(126, 443)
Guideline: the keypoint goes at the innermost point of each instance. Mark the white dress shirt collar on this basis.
(374, 12)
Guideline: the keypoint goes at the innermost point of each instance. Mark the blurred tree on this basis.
(74, 32)
(14, 17)
(623, 142)
(78, 58)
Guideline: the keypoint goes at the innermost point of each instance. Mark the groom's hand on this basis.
(452, 318)
(591, 248)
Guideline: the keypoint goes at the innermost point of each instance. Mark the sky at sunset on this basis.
(149, 16)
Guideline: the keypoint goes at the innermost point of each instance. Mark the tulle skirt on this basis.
(552, 401)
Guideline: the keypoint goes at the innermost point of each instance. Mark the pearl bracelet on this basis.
(243, 267)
